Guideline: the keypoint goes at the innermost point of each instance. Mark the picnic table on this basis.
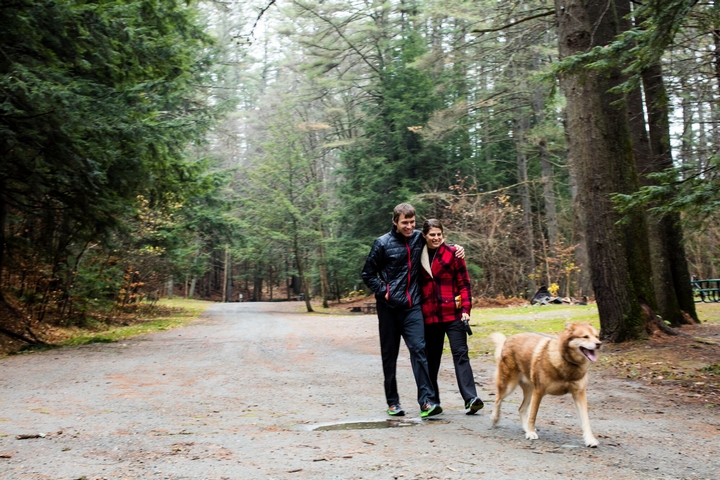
(369, 307)
(706, 291)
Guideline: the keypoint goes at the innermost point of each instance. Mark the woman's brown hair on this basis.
(432, 223)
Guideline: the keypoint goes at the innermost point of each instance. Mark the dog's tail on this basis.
(499, 340)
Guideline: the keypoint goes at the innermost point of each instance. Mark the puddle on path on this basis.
(372, 424)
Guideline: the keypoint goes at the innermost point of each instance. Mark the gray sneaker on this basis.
(430, 410)
(473, 405)
(395, 411)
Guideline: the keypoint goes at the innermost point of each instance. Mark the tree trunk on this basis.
(322, 266)
(521, 126)
(716, 52)
(301, 278)
(701, 149)
(602, 153)
(225, 274)
(193, 282)
(645, 159)
(551, 221)
(301, 269)
(687, 121)
(257, 282)
(669, 262)
(584, 284)
(229, 280)
(3, 220)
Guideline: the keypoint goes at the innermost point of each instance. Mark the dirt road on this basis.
(241, 395)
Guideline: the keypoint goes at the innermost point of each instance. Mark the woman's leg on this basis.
(463, 370)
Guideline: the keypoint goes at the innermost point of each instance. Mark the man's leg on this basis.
(414, 335)
(390, 330)
(434, 342)
(457, 336)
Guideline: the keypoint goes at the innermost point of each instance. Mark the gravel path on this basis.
(259, 391)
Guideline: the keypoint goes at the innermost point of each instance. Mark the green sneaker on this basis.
(430, 410)
(395, 411)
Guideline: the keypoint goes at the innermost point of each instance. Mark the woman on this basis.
(443, 278)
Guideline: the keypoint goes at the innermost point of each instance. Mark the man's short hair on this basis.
(404, 209)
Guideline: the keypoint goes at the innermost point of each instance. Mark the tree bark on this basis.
(584, 284)
(604, 163)
(645, 160)
(669, 262)
(3, 220)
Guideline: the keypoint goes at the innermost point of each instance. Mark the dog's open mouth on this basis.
(590, 354)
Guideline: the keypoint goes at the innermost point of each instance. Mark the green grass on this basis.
(541, 319)
(708, 312)
(171, 314)
(546, 319)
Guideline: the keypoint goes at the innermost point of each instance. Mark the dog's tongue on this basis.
(590, 354)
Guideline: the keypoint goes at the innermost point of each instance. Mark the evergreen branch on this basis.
(342, 35)
(636, 49)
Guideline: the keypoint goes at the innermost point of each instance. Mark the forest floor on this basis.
(264, 390)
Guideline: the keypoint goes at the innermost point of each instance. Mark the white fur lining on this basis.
(425, 261)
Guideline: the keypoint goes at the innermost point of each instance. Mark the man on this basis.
(391, 271)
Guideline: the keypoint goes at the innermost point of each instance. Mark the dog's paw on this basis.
(591, 442)
(531, 435)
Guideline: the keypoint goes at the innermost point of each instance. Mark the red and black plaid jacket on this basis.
(447, 279)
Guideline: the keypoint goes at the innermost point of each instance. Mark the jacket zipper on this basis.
(407, 288)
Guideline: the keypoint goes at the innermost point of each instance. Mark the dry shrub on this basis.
(489, 226)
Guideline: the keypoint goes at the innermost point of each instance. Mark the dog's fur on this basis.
(542, 365)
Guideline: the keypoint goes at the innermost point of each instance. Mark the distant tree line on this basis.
(544, 145)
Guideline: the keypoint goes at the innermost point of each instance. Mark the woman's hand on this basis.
(459, 252)
(465, 317)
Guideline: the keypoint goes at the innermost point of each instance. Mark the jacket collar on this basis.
(396, 233)
(425, 257)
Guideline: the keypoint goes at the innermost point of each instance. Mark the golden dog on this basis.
(542, 365)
